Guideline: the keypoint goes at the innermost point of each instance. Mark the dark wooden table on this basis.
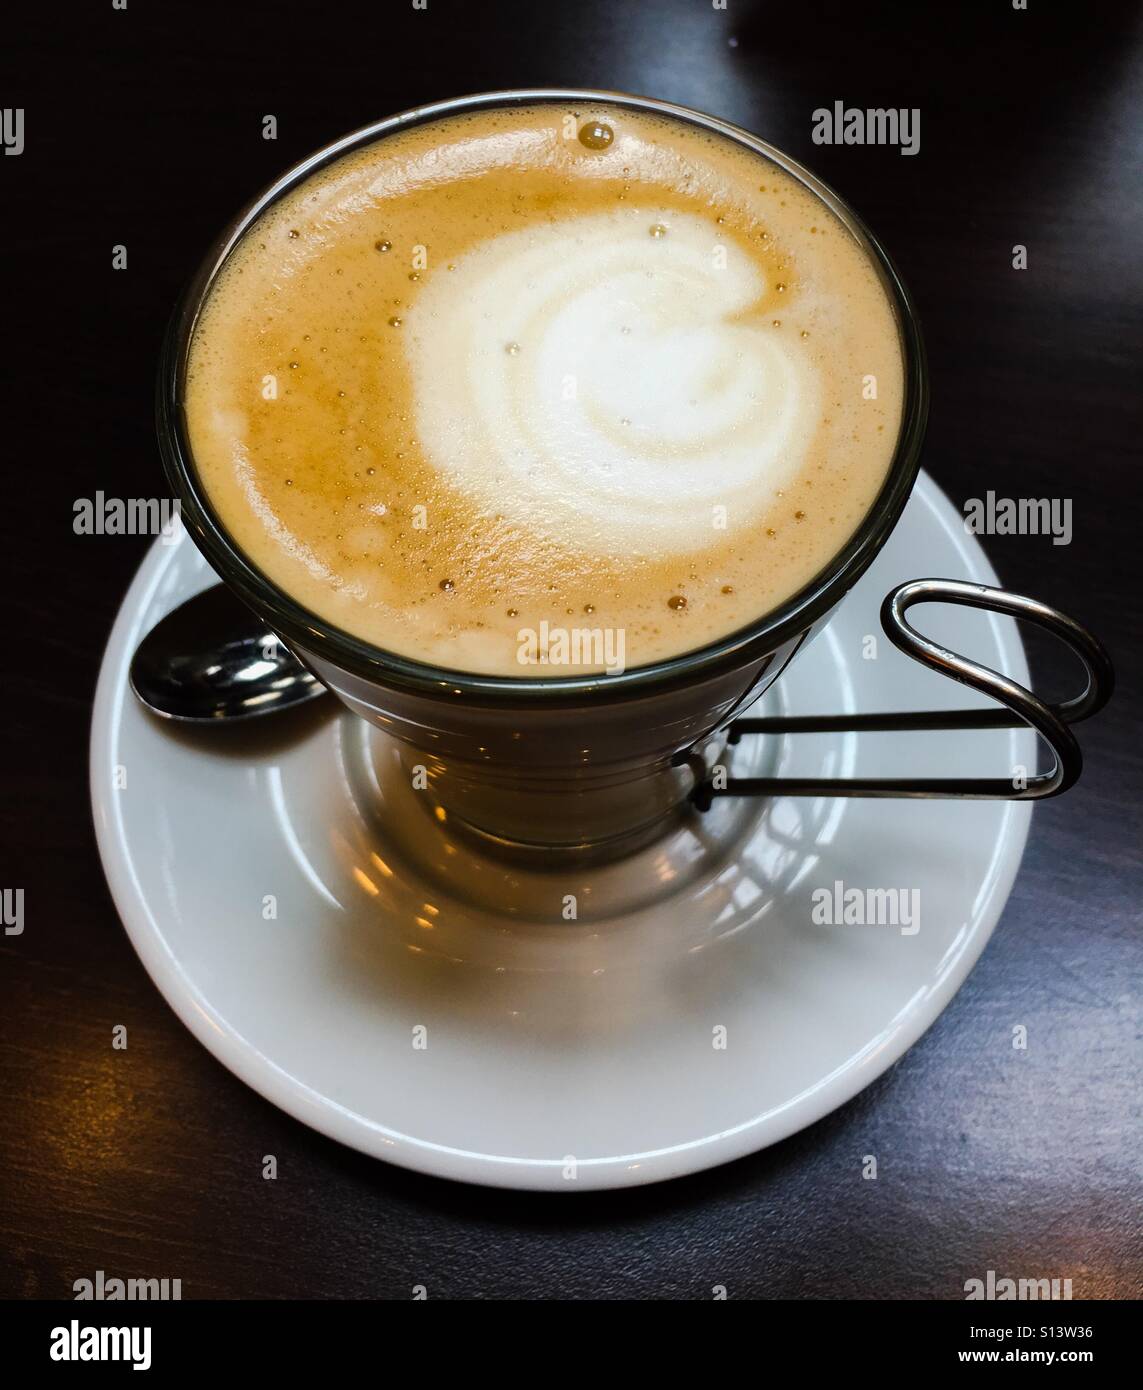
(143, 127)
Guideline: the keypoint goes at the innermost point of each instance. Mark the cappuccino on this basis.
(540, 369)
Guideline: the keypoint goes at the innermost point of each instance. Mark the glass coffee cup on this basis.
(591, 767)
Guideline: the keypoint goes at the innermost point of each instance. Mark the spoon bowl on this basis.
(212, 659)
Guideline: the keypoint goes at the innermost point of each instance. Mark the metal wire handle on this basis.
(1020, 707)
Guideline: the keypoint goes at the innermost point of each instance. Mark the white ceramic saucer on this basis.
(335, 949)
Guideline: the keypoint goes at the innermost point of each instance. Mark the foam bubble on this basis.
(603, 386)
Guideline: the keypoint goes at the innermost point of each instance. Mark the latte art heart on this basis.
(604, 383)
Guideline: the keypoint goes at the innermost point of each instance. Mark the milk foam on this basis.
(501, 402)
(601, 382)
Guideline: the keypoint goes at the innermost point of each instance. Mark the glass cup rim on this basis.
(327, 642)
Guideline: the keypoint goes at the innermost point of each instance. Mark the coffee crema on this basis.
(540, 390)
